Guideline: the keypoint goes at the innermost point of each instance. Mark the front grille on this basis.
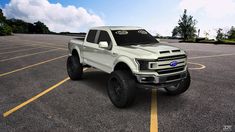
(162, 65)
(170, 70)
(169, 64)
(167, 58)
(169, 78)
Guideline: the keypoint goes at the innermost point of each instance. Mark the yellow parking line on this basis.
(154, 118)
(35, 97)
(20, 50)
(17, 57)
(30, 66)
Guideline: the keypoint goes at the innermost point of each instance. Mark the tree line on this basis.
(187, 31)
(8, 26)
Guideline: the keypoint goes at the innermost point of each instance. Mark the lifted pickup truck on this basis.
(134, 59)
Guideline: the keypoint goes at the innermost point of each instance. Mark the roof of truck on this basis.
(117, 27)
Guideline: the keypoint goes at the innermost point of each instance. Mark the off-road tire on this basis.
(181, 87)
(121, 88)
(74, 68)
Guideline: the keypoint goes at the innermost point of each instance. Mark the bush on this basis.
(200, 39)
(5, 29)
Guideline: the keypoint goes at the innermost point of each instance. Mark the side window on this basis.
(91, 36)
(104, 36)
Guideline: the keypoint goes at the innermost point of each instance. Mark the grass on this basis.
(208, 41)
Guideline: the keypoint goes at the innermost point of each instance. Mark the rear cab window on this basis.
(91, 36)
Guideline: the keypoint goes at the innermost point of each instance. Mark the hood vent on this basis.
(164, 52)
(175, 51)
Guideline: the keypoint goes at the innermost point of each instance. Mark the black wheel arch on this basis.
(122, 66)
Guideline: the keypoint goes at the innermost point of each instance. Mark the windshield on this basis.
(133, 37)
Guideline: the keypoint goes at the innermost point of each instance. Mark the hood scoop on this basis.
(168, 51)
(164, 52)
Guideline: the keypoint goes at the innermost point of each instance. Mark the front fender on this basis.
(75, 47)
(128, 61)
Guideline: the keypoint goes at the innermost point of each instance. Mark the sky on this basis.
(157, 16)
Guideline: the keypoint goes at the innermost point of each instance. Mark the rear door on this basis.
(89, 48)
(94, 55)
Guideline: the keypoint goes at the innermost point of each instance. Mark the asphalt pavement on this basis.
(36, 94)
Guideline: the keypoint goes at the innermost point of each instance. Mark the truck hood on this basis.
(151, 51)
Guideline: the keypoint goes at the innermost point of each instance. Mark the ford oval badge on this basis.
(173, 63)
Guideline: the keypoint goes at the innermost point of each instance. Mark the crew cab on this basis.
(133, 58)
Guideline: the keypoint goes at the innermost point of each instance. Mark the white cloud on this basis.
(212, 8)
(57, 17)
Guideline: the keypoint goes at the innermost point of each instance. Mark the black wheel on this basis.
(180, 87)
(74, 68)
(121, 88)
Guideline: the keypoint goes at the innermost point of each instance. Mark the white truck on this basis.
(134, 59)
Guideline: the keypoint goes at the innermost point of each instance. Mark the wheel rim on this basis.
(116, 89)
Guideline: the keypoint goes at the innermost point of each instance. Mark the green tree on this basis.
(176, 31)
(220, 34)
(2, 17)
(186, 28)
(206, 34)
(231, 33)
(18, 26)
(41, 28)
(4, 28)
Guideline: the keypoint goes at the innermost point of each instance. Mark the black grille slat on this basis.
(167, 58)
(170, 70)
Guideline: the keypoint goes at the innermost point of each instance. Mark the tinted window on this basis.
(91, 36)
(133, 37)
(104, 36)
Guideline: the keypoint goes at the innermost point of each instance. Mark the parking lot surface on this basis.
(37, 95)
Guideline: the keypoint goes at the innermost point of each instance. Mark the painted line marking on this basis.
(7, 113)
(30, 66)
(34, 98)
(14, 47)
(17, 57)
(20, 50)
(39, 43)
(197, 68)
(9, 45)
(211, 56)
(154, 117)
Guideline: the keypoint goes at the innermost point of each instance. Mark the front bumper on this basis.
(152, 81)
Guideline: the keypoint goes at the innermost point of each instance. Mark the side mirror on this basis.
(103, 44)
(158, 39)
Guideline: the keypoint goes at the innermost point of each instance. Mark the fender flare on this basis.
(76, 48)
(129, 62)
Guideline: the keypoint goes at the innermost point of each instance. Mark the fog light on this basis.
(147, 79)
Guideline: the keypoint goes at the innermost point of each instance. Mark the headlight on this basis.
(144, 64)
